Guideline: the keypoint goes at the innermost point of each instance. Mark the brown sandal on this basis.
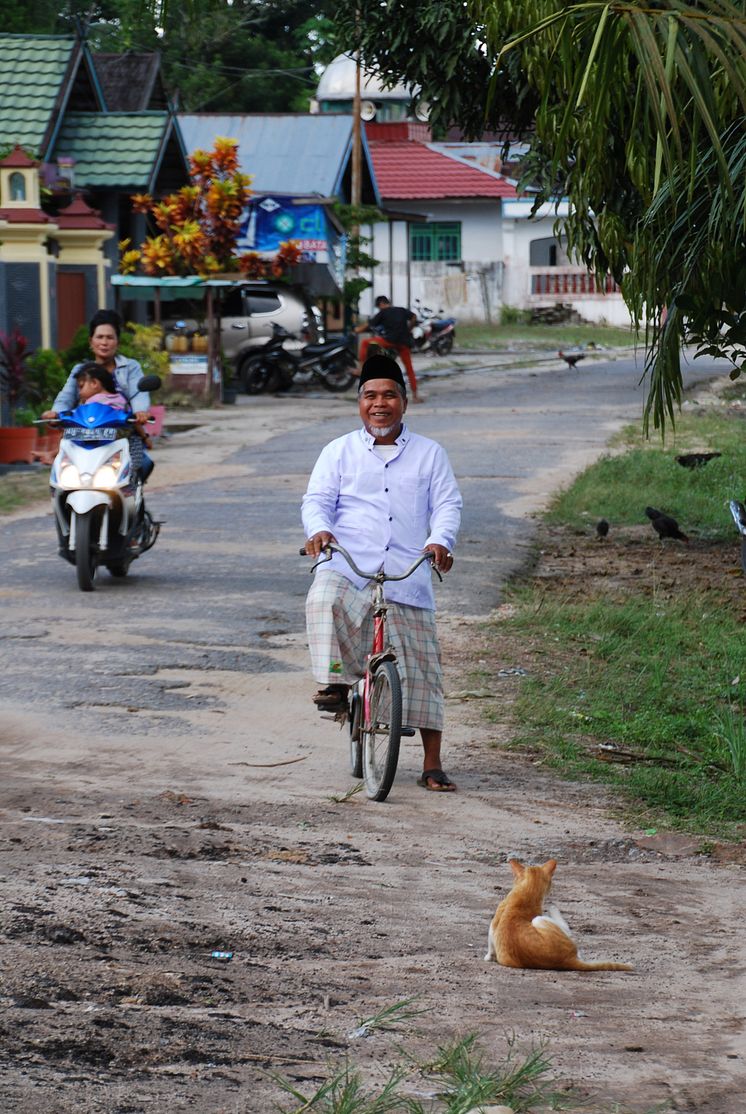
(332, 699)
(443, 783)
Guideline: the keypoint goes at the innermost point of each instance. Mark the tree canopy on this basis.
(636, 116)
(220, 55)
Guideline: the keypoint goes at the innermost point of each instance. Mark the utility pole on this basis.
(356, 185)
(357, 155)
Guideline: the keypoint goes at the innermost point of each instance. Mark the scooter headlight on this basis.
(107, 475)
(69, 475)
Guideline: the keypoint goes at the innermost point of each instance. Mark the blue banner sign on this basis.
(269, 221)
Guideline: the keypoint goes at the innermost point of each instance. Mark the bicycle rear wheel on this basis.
(356, 743)
(382, 734)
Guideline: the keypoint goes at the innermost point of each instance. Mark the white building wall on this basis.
(495, 268)
(519, 232)
(468, 290)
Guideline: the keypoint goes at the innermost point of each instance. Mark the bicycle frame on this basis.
(379, 608)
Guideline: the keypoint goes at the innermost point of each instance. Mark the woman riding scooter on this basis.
(104, 330)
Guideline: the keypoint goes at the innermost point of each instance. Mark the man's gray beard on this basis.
(382, 431)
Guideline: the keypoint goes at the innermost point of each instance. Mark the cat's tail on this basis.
(599, 965)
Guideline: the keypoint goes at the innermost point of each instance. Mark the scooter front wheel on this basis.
(86, 560)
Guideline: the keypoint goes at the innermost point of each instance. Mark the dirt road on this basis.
(139, 838)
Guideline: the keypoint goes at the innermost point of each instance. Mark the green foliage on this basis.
(144, 343)
(659, 673)
(465, 1082)
(536, 336)
(512, 315)
(439, 46)
(635, 113)
(351, 217)
(240, 56)
(78, 350)
(47, 374)
(654, 678)
(619, 487)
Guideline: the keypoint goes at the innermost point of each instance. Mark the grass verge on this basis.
(619, 486)
(637, 666)
(20, 489)
(541, 336)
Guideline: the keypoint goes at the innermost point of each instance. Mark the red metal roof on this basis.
(409, 169)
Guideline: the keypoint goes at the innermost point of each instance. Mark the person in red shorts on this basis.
(393, 325)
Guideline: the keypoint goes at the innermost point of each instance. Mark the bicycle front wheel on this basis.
(382, 733)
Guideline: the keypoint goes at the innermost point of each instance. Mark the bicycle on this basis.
(375, 710)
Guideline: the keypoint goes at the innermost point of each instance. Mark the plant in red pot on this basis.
(17, 443)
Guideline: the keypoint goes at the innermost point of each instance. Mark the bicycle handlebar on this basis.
(380, 576)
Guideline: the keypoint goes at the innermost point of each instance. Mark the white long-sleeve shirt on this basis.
(384, 512)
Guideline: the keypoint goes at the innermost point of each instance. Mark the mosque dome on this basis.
(337, 83)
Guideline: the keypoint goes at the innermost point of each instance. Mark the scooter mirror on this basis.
(149, 383)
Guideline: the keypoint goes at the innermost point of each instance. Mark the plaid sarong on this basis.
(339, 622)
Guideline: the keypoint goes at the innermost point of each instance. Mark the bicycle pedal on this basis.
(409, 731)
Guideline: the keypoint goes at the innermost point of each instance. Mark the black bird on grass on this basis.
(572, 359)
(602, 528)
(664, 525)
(695, 460)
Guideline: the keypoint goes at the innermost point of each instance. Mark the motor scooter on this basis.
(97, 492)
(433, 332)
(275, 368)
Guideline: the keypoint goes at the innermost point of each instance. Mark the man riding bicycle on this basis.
(385, 494)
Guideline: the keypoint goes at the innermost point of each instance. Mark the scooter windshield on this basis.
(94, 422)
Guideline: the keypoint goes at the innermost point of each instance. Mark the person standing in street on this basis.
(385, 494)
(393, 325)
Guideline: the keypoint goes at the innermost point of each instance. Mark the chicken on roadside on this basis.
(571, 359)
(664, 525)
(602, 528)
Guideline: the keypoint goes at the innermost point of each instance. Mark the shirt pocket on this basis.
(412, 495)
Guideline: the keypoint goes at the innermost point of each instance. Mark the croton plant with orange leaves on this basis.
(198, 226)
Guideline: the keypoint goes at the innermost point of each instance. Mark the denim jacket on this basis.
(127, 373)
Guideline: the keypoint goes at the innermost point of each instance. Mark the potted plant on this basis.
(17, 443)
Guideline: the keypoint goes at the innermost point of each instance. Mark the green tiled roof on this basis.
(116, 149)
(32, 68)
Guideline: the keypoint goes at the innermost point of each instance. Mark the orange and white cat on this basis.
(523, 935)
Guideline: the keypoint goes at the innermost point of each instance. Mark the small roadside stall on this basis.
(194, 360)
(268, 222)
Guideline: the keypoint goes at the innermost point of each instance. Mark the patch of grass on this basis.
(541, 336)
(391, 1017)
(343, 798)
(19, 489)
(657, 680)
(461, 1073)
(619, 487)
(468, 1082)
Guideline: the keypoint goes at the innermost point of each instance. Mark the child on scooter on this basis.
(96, 384)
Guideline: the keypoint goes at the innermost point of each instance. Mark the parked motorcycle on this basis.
(275, 368)
(97, 494)
(433, 332)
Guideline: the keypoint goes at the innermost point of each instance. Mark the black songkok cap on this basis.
(382, 367)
